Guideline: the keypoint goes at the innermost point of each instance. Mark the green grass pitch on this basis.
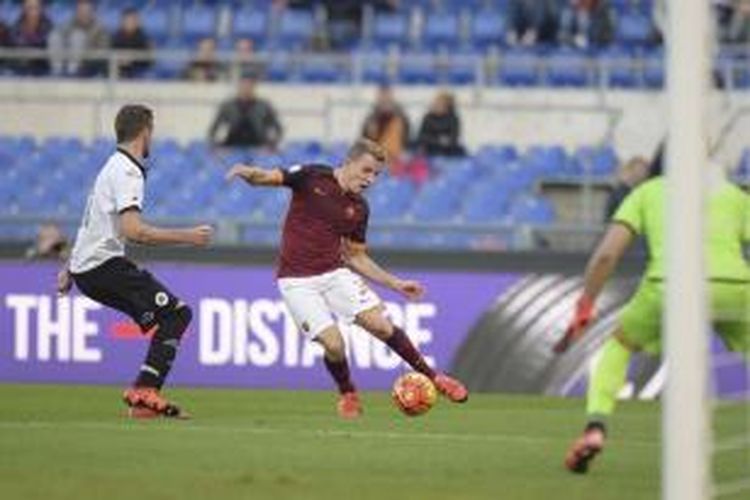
(60, 442)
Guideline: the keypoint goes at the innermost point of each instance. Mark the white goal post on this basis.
(686, 414)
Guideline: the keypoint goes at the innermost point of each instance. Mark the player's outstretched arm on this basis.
(600, 267)
(256, 176)
(356, 257)
(134, 229)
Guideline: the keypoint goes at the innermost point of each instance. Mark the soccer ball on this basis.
(414, 394)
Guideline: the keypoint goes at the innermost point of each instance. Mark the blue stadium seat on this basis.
(436, 202)
(418, 67)
(441, 29)
(486, 203)
(296, 28)
(459, 68)
(568, 68)
(533, 210)
(391, 29)
(60, 12)
(487, 29)
(198, 22)
(273, 205)
(596, 161)
(634, 29)
(9, 11)
(618, 68)
(109, 16)
(519, 67)
(653, 69)
(390, 199)
(280, 67)
(545, 160)
(250, 23)
(156, 21)
(374, 66)
(322, 69)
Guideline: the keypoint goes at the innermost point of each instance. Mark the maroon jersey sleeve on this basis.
(359, 235)
(294, 176)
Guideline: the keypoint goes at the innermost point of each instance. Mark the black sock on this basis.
(163, 349)
(339, 370)
(401, 344)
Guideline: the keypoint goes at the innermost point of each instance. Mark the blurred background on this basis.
(512, 124)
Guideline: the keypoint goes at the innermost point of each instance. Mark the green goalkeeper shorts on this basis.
(641, 319)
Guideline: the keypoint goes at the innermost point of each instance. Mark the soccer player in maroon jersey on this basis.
(323, 241)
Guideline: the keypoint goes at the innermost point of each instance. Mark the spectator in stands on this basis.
(31, 31)
(5, 42)
(635, 171)
(533, 21)
(722, 13)
(130, 36)
(439, 134)
(69, 44)
(738, 30)
(51, 243)
(245, 62)
(586, 22)
(205, 65)
(246, 121)
(388, 125)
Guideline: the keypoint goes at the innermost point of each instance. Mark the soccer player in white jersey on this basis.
(101, 271)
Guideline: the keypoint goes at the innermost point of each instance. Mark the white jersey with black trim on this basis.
(118, 187)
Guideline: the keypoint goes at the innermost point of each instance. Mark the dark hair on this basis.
(131, 120)
(365, 146)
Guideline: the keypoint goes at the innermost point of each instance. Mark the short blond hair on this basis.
(364, 146)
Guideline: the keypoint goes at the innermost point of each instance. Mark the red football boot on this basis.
(451, 388)
(584, 450)
(349, 406)
(147, 402)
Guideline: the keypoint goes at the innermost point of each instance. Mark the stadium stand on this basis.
(498, 185)
(465, 36)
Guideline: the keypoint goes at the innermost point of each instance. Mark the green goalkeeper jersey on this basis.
(728, 228)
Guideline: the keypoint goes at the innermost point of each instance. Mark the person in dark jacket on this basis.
(130, 36)
(247, 121)
(31, 31)
(439, 134)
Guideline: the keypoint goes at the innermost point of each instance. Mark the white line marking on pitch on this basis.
(322, 433)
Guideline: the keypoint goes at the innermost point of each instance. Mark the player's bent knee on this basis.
(174, 323)
(375, 323)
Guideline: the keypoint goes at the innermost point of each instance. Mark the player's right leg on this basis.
(310, 312)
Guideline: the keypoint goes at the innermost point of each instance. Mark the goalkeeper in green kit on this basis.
(642, 213)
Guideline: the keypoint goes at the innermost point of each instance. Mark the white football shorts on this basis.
(313, 300)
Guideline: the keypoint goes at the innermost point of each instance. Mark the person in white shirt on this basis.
(100, 270)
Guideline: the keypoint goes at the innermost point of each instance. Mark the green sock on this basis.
(607, 380)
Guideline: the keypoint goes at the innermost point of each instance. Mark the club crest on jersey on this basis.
(319, 191)
(349, 212)
(305, 326)
(161, 299)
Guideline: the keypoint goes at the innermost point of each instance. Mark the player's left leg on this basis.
(605, 383)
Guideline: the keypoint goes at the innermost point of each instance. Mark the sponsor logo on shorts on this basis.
(161, 299)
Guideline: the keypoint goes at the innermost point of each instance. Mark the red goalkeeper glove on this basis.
(584, 314)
